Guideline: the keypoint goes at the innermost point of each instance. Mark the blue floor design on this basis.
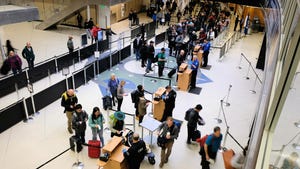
(129, 86)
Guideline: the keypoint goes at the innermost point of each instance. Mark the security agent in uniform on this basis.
(136, 153)
(169, 97)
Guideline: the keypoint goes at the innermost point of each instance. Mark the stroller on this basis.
(128, 142)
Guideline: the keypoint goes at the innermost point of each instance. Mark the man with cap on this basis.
(169, 97)
(79, 122)
(69, 101)
(194, 119)
(117, 123)
(150, 56)
(136, 153)
(161, 62)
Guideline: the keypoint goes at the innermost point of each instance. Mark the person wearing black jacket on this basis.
(69, 101)
(136, 153)
(143, 53)
(169, 97)
(79, 122)
(150, 56)
(139, 92)
(28, 54)
(193, 120)
(180, 58)
(137, 45)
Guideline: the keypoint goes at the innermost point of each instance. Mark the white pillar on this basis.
(103, 16)
(88, 12)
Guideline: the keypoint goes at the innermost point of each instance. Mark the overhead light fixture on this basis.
(296, 146)
(297, 124)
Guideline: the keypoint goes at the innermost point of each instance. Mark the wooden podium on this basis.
(116, 159)
(184, 78)
(158, 106)
(199, 52)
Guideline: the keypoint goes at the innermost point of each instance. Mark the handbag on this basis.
(161, 141)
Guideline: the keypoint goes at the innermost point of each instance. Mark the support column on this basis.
(103, 16)
(88, 12)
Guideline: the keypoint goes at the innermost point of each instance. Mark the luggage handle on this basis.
(91, 145)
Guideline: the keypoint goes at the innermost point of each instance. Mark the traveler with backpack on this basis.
(135, 98)
(168, 132)
(69, 101)
(96, 121)
(79, 122)
(209, 148)
(192, 117)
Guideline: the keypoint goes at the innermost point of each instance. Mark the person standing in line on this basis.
(69, 101)
(178, 43)
(169, 131)
(236, 22)
(137, 45)
(79, 122)
(28, 54)
(143, 53)
(206, 49)
(96, 121)
(143, 32)
(130, 17)
(161, 62)
(70, 44)
(120, 94)
(117, 124)
(194, 67)
(139, 92)
(15, 62)
(79, 20)
(209, 150)
(150, 56)
(9, 47)
(136, 152)
(169, 97)
(180, 58)
(193, 119)
(134, 17)
(113, 84)
(167, 18)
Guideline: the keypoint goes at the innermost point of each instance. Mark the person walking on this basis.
(96, 121)
(169, 97)
(169, 131)
(15, 62)
(161, 62)
(194, 67)
(28, 54)
(70, 44)
(209, 150)
(193, 119)
(137, 45)
(120, 94)
(113, 84)
(206, 48)
(69, 101)
(79, 122)
(136, 152)
(150, 56)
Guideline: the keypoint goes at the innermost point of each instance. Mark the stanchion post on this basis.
(254, 85)
(17, 90)
(227, 96)
(79, 59)
(56, 64)
(74, 64)
(26, 112)
(239, 65)
(73, 81)
(94, 66)
(225, 137)
(84, 73)
(248, 71)
(218, 119)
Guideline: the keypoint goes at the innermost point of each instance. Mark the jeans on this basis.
(137, 54)
(149, 63)
(30, 63)
(95, 132)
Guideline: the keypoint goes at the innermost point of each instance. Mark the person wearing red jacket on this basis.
(94, 31)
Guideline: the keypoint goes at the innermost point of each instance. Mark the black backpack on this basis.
(155, 59)
(187, 114)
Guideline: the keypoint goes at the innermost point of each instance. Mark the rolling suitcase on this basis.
(76, 140)
(172, 72)
(94, 148)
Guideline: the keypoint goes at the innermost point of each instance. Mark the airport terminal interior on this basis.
(250, 87)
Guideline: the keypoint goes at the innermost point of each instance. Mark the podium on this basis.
(199, 52)
(184, 77)
(158, 106)
(116, 159)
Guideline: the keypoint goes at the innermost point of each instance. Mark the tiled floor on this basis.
(28, 145)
